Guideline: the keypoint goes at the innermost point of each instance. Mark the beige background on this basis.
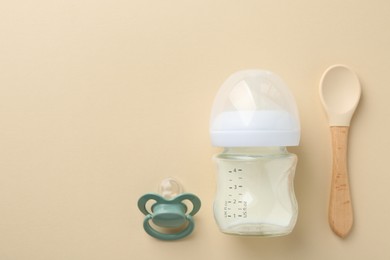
(100, 100)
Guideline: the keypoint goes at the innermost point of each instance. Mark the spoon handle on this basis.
(340, 207)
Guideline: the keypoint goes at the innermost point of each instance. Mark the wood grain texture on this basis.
(340, 206)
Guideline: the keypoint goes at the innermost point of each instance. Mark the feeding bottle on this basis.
(255, 118)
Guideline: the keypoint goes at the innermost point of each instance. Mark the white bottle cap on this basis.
(254, 108)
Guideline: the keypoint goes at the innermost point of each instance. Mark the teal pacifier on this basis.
(167, 216)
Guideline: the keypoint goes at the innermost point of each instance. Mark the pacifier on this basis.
(167, 216)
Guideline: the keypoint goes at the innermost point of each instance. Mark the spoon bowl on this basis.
(340, 94)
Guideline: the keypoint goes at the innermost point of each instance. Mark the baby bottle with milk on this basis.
(254, 119)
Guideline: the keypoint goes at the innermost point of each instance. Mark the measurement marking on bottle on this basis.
(235, 205)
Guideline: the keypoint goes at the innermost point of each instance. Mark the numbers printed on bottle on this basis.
(235, 206)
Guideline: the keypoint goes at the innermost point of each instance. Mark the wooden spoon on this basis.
(340, 93)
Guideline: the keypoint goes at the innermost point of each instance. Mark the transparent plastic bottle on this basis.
(255, 191)
(255, 118)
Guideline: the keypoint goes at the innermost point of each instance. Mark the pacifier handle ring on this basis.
(192, 198)
(145, 198)
(164, 236)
